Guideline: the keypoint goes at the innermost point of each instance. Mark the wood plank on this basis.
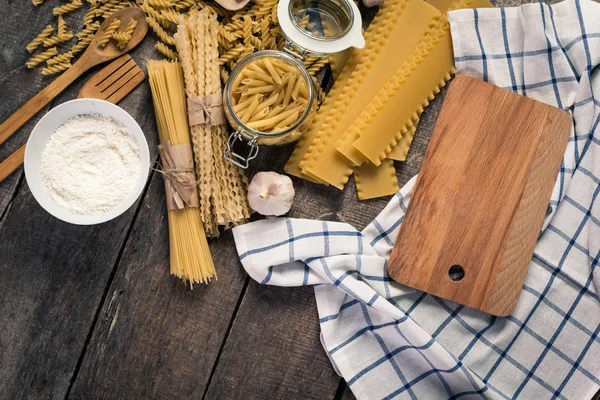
(53, 275)
(274, 350)
(155, 337)
(17, 83)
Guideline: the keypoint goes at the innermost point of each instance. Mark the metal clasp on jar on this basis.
(238, 159)
(288, 48)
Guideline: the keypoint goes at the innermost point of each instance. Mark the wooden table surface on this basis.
(92, 312)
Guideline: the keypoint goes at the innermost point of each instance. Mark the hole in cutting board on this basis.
(456, 273)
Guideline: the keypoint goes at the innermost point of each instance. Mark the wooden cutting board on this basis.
(481, 196)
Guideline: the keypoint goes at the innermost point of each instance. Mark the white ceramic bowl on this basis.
(42, 132)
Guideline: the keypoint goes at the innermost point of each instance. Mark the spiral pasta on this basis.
(112, 28)
(160, 32)
(159, 3)
(83, 43)
(40, 58)
(165, 51)
(55, 69)
(38, 40)
(37, 2)
(64, 58)
(66, 8)
(124, 36)
(89, 30)
(54, 40)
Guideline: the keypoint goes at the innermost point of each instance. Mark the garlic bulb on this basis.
(271, 193)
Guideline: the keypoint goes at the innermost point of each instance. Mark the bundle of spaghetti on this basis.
(222, 185)
(189, 252)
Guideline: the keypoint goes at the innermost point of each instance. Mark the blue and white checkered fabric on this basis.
(390, 341)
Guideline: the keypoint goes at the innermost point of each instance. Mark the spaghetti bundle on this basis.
(189, 252)
(223, 186)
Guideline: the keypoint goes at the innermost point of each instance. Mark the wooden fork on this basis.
(112, 83)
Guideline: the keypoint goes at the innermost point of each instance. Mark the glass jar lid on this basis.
(321, 27)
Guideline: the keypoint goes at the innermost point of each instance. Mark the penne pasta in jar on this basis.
(270, 95)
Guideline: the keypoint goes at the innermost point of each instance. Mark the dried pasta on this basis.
(159, 3)
(159, 30)
(276, 95)
(40, 58)
(56, 68)
(54, 40)
(112, 28)
(64, 59)
(37, 2)
(124, 36)
(189, 253)
(222, 185)
(166, 51)
(39, 39)
(62, 26)
(67, 8)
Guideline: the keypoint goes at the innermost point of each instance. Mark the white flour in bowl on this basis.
(90, 164)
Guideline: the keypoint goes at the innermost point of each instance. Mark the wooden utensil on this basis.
(481, 196)
(233, 5)
(112, 83)
(93, 56)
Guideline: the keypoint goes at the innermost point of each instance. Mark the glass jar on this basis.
(340, 27)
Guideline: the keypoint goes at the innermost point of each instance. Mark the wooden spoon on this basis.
(233, 5)
(112, 83)
(93, 56)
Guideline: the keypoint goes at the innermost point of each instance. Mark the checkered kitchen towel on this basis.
(390, 341)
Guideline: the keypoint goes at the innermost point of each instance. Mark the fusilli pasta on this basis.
(165, 50)
(40, 58)
(35, 43)
(123, 37)
(160, 32)
(66, 8)
(107, 35)
(159, 3)
(55, 69)
(60, 59)
(54, 40)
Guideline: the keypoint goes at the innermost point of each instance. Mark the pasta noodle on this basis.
(56, 68)
(35, 43)
(223, 186)
(62, 26)
(160, 32)
(112, 28)
(165, 50)
(37, 2)
(66, 8)
(189, 252)
(40, 58)
(60, 59)
(274, 86)
(159, 3)
(54, 40)
(124, 36)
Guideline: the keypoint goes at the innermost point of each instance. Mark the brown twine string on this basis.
(176, 175)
